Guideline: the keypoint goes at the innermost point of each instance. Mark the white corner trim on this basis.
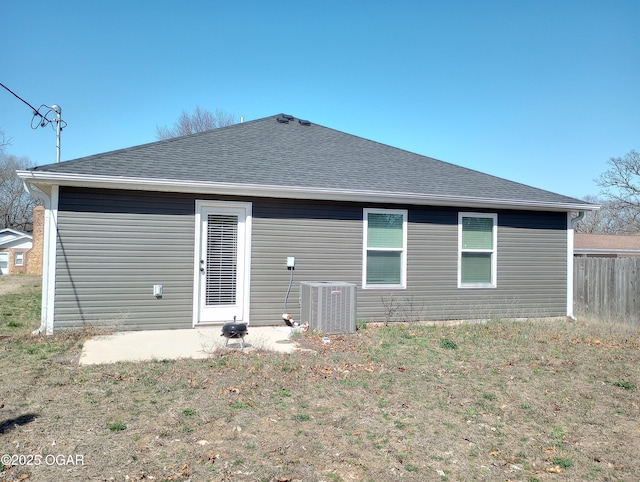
(570, 236)
(49, 262)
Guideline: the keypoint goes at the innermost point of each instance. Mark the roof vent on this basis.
(282, 119)
(287, 116)
(304, 122)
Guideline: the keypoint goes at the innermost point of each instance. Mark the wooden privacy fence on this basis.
(607, 287)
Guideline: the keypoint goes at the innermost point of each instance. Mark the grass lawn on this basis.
(498, 401)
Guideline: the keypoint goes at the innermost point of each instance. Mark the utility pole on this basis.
(56, 108)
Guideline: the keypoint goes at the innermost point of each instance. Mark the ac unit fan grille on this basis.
(329, 306)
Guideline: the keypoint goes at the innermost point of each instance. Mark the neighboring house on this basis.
(20, 252)
(606, 245)
(197, 230)
(14, 246)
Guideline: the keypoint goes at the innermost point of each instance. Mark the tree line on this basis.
(619, 196)
(16, 206)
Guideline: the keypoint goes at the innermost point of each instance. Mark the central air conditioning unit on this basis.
(328, 306)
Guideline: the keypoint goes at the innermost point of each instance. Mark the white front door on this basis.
(222, 256)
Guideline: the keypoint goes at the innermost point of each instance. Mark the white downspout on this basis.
(570, 228)
(47, 279)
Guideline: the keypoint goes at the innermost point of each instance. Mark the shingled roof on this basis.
(283, 156)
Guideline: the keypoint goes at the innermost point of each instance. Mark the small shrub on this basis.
(562, 462)
(625, 385)
(448, 344)
(221, 362)
(117, 426)
(189, 412)
(301, 417)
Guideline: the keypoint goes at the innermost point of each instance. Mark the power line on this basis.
(35, 111)
(42, 119)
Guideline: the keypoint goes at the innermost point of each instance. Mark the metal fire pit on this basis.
(234, 330)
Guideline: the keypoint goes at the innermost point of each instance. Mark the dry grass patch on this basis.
(525, 401)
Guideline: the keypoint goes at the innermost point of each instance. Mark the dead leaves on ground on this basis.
(343, 371)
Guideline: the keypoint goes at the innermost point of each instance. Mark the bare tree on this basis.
(620, 212)
(199, 121)
(4, 142)
(621, 182)
(613, 217)
(16, 206)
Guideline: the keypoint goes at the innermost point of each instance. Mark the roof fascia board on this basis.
(15, 232)
(42, 179)
(14, 243)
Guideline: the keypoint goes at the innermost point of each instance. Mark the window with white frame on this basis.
(477, 250)
(19, 259)
(385, 248)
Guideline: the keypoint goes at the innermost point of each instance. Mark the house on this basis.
(197, 230)
(606, 245)
(20, 252)
(13, 246)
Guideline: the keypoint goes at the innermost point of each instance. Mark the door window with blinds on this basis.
(221, 263)
(385, 248)
(477, 250)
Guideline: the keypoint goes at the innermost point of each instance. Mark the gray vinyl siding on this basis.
(326, 239)
(112, 248)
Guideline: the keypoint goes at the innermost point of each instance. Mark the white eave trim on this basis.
(287, 192)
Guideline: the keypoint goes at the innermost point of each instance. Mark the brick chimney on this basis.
(34, 255)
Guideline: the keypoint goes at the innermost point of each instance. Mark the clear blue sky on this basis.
(541, 92)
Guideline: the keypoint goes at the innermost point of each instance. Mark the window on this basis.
(19, 259)
(477, 233)
(385, 248)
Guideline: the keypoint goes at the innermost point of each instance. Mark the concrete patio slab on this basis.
(174, 344)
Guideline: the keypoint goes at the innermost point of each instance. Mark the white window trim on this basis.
(403, 256)
(20, 257)
(494, 251)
